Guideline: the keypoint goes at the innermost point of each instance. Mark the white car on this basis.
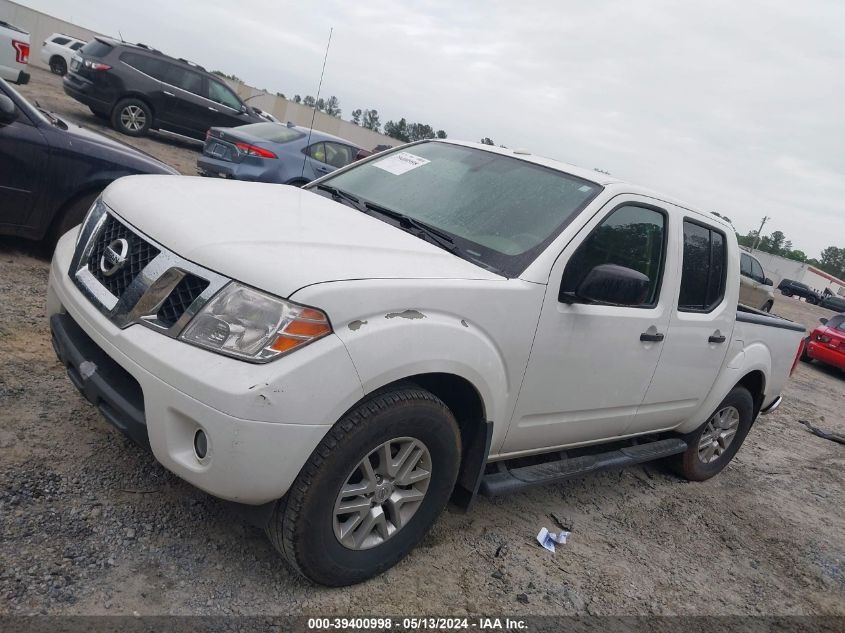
(435, 321)
(14, 53)
(58, 50)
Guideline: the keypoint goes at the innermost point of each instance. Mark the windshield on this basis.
(500, 211)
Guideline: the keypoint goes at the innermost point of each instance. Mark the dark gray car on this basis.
(273, 152)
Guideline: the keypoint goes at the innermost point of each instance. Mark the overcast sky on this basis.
(733, 106)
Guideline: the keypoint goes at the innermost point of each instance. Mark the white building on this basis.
(777, 268)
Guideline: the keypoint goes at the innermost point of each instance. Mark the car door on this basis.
(188, 110)
(24, 165)
(226, 110)
(315, 164)
(591, 364)
(700, 330)
(148, 77)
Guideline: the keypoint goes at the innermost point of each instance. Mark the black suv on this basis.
(139, 88)
(790, 287)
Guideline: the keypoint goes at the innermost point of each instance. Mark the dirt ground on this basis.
(90, 524)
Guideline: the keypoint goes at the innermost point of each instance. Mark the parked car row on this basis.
(138, 89)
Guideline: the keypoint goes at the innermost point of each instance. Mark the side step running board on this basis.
(508, 480)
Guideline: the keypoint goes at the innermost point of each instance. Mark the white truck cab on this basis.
(345, 358)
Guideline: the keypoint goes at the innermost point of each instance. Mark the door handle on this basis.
(716, 338)
(169, 94)
(654, 338)
(213, 109)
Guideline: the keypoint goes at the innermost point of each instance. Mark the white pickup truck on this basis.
(345, 358)
(14, 53)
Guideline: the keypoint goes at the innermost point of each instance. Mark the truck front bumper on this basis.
(161, 392)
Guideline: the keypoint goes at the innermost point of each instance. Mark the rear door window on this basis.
(744, 265)
(338, 154)
(183, 78)
(317, 151)
(61, 41)
(704, 268)
(757, 271)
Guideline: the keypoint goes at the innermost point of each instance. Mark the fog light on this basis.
(200, 444)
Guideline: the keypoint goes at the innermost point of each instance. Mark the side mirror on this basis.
(8, 111)
(823, 321)
(616, 285)
(768, 282)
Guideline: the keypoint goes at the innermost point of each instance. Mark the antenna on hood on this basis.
(316, 99)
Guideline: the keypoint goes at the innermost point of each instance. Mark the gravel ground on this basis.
(90, 524)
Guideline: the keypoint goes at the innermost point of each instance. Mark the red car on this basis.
(827, 342)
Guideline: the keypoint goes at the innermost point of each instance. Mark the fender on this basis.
(386, 347)
(740, 362)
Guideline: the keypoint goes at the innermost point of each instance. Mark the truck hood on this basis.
(276, 238)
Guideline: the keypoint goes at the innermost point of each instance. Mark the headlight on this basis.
(253, 325)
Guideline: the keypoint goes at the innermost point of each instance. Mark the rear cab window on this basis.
(704, 268)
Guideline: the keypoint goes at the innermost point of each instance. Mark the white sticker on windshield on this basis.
(398, 164)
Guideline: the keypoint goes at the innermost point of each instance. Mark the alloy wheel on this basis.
(718, 434)
(382, 493)
(133, 118)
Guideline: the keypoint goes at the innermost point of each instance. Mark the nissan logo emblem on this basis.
(114, 257)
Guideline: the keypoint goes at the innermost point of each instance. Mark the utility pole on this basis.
(759, 233)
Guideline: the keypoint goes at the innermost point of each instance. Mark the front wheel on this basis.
(805, 357)
(812, 301)
(371, 490)
(715, 443)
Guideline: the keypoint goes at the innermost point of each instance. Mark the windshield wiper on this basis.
(436, 236)
(340, 195)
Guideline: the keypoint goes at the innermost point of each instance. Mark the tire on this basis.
(132, 117)
(58, 66)
(691, 463)
(305, 527)
(805, 357)
(812, 301)
(767, 307)
(786, 293)
(297, 182)
(68, 217)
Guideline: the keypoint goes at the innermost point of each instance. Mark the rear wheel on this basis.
(58, 65)
(132, 117)
(812, 301)
(371, 490)
(715, 443)
(767, 307)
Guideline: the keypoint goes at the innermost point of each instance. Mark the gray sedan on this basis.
(273, 152)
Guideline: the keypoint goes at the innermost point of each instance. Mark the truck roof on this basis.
(600, 178)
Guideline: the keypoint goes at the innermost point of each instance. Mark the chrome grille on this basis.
(154, 287)
(140, 255)
(178, 301)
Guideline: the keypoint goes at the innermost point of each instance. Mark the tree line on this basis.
(831, 260)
